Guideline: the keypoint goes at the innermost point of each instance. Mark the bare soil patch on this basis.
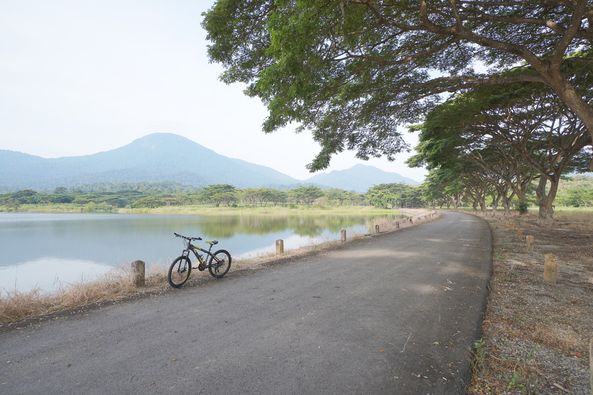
(536, 335)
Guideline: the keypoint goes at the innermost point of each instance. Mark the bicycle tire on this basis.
(216, 262)
(179, 271)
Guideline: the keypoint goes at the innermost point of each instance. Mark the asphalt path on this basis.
(393, 314)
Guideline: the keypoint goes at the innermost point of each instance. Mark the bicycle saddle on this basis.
(212, 242)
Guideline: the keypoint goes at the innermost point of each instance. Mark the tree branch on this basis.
(573, 28)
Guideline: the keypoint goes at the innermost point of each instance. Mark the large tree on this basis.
(514, 134)
(353, 70)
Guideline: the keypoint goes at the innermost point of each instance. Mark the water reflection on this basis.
(49, 274)
(50, 245)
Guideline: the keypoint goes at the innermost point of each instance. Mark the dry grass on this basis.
(300, 210)
(117, 285)
(535, 335)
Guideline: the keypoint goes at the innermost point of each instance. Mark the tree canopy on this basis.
(497, 139)
(352, 71)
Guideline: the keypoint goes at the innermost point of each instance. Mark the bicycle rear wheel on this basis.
(179, 271)
(220, 263)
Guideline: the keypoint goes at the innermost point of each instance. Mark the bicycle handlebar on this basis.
(186, 237)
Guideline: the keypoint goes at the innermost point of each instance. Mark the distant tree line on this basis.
(574, 192)
(106, 196)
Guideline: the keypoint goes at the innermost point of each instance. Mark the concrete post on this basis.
(397, 225)
(550, 269)
(530, 240)
(279, 247)
(138, 273)
(376, 228)
(343, 235)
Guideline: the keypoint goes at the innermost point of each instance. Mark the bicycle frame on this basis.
(196, 250)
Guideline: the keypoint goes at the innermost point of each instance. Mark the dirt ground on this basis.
(536, 335)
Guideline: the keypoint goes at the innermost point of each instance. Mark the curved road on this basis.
(396, 313)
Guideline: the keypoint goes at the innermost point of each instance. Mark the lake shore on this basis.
(206, 210)
(117, 286)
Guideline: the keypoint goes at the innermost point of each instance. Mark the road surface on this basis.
(391, 314)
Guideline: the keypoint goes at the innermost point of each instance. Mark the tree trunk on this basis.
(495, 200)
(574, 101)
(506, 204)
(455, 202)
(482, 202)
(521, 193)
(546, 199)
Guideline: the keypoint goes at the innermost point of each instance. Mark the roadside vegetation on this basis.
(114, 286)
(535, 335)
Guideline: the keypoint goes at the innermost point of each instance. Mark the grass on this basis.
(272, 210)
(117, 285)
(209, 210)
(55, 208)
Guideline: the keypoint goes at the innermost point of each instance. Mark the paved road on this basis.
(390, 314)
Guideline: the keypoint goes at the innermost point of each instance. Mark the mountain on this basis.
(359, 178)
(157, 157)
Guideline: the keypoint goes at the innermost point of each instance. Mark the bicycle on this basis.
(218, 265)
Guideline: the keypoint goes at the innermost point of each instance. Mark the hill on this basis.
(158, 157)
(359, 178)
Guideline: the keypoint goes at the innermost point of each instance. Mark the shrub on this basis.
(522, 207)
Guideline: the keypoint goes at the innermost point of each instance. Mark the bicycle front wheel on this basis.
(220, 263)
(179, 271)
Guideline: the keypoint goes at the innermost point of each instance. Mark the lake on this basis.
(49, 251)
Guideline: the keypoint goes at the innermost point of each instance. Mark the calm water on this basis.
(49, 251)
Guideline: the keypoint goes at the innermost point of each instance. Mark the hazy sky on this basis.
(81, 76)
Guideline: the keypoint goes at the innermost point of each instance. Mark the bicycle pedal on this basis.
(201, 267)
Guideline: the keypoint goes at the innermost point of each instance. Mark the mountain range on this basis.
(358, 178)
(161, 157)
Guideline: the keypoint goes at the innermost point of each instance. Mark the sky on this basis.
(79, 77)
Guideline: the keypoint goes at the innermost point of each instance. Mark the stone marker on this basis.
(138, 272)
(397, 225)
(279, 247)
(343, 235)
(530, 240)
(376, 228)
(550, 269)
